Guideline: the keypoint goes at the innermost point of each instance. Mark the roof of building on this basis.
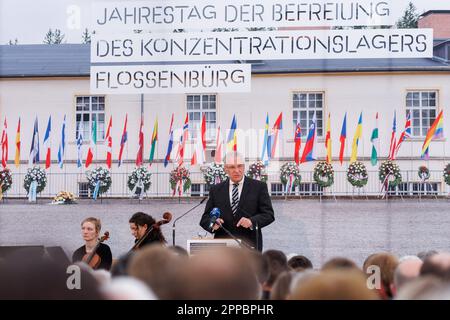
(73, 60)
(427, 13)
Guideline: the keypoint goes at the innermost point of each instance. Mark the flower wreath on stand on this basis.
(357, 174)
(447, 174)
(5, 181)
(324, 174)
(214, 174)
(36, 176)
(258, 171)
(180, 177)
(290, 175)
(99, 181)
(139, 181)
(390, 169)
(423, 173)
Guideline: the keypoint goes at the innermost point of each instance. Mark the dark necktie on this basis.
(235, 198)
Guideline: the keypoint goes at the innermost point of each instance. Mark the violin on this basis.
(167, 216)
(92, 259)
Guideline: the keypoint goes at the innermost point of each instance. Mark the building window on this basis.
(89, 109)
(197, 105)
(199, 189)
(305, 104)
(310, 189)
(423, 108)
(276, 189)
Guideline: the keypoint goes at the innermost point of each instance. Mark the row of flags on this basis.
(271, 139)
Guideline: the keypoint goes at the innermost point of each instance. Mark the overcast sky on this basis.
(29, 20)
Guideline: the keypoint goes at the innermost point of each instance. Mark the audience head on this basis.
(277, 264)
(299, 262)
(339, 263)
(407, 270)
(437, 265)
(338, 284)
(386, 263)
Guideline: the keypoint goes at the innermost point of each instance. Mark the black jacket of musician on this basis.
(254, 204)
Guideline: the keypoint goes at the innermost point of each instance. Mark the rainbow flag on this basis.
(154, 139)
(435, 129)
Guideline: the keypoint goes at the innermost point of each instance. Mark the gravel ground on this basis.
(319, 230)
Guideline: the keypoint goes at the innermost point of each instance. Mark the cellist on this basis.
(90, 230)
(139, 224)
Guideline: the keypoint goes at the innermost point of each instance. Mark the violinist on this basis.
(90, 230)
(140, 223)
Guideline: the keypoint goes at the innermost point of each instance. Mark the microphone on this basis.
(173, 225)
(213, 216)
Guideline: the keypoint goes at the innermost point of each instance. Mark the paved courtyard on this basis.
(319, 230)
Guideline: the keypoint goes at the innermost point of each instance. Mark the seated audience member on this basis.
(299, 263)
(24, 276)
(338, 284)
(158, 267)
(407, 270)
(260, 265)
(282, 286)
(277, 264)
(387, 263)
(220, 274)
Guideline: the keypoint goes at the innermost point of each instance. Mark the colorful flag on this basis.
(4, 142)
(17, 158)
(430, 135)
(374, 140)
(277, 127)
(308, 151)
(108, 141)
(232, 137)
(298, 143)
(140, 153)
(123, 140)
(93, 143)
(154, 140)
(265, 156)
(356, 138)
(393, 138)
(405, 134)
(439, 134)
(183, 139)
(170, 145)
(218, 152)
(328, 139)
(47, 143)
(80, 145)
(199, 154)
(342, 139)
(62, 144)
(34, 150)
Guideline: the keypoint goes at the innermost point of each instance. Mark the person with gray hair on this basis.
(244, 203)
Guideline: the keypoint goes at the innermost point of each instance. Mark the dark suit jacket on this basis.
(254, 203)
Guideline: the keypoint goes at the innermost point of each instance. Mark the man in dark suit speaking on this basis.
(244, 203)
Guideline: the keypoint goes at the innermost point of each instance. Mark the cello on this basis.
(167, 216)
(92, 259)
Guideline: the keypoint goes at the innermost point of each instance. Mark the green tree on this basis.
(409, 19)
(48, 39)
(12, 43)
(86, 36)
